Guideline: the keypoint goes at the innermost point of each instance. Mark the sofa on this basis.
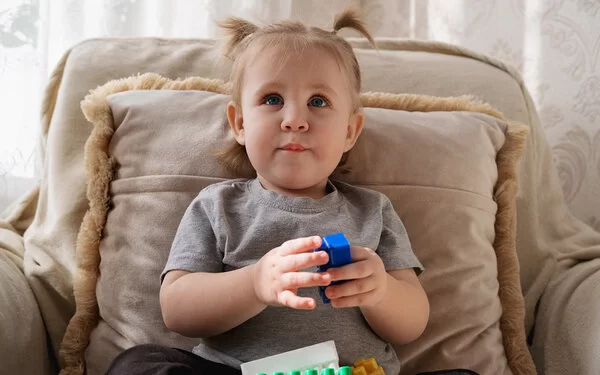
(557, 256)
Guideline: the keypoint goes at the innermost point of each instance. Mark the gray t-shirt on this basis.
(232, 224)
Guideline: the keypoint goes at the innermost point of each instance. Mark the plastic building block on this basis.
(338, 248)
(318, 357)
(344, 370)
(367, 366)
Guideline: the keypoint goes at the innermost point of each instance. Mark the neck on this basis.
(317, 191)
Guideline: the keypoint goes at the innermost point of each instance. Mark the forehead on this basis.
(284, 63)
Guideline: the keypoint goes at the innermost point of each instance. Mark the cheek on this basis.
(335, 132)
(258, 142)
(333, 145)
(253, 141)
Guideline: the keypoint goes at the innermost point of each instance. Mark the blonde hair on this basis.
(245, 40)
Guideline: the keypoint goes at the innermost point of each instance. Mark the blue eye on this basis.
(318, 101)
(273, 100)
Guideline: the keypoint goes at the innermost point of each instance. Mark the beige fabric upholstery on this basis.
(552, 246)
(432, 165)
(23, 346)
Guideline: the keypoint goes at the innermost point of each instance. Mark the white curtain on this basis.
(555, 44)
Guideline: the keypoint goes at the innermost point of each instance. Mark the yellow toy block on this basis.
(367, 366)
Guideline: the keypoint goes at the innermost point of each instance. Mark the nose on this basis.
(294, 120)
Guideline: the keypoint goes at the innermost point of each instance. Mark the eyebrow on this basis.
(325, 88)
(268, 86)
(275, 86)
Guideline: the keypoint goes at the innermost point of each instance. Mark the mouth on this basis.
(294, 147)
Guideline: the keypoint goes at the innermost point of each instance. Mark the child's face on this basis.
(296, 120)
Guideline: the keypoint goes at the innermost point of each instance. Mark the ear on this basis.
(355, 126)
(236, 121)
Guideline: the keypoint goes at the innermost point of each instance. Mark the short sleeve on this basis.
(194, 247)
(394, 245)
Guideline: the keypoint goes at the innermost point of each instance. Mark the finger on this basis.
(290, 299)
(300, 245)
(361, 253)
(294, 280)
(356, 270)
(295, 262)
(351, 301)
(351, 288)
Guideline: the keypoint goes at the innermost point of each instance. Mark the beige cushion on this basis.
(61, 203)
(448, 165)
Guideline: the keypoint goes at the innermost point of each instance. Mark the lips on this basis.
(295, 147)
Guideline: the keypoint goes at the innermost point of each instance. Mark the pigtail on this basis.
(351, 17)
(236, 30)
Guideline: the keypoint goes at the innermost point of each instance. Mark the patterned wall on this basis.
(555, 44)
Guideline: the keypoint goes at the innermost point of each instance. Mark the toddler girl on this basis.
(240, 274)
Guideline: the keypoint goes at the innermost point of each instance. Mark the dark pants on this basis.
(150, 359)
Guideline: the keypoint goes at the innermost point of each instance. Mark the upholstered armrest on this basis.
(567, 330)
(24, 348)
(560, 267)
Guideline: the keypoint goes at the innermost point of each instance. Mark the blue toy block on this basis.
(338, 248)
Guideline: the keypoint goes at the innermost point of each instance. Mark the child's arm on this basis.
(394, 304)
(201, 304)
(204, 304)
(402, 314)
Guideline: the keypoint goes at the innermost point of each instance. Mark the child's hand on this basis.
(276, 275)
(367, 280)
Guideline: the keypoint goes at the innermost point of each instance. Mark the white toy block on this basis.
(318, 356)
